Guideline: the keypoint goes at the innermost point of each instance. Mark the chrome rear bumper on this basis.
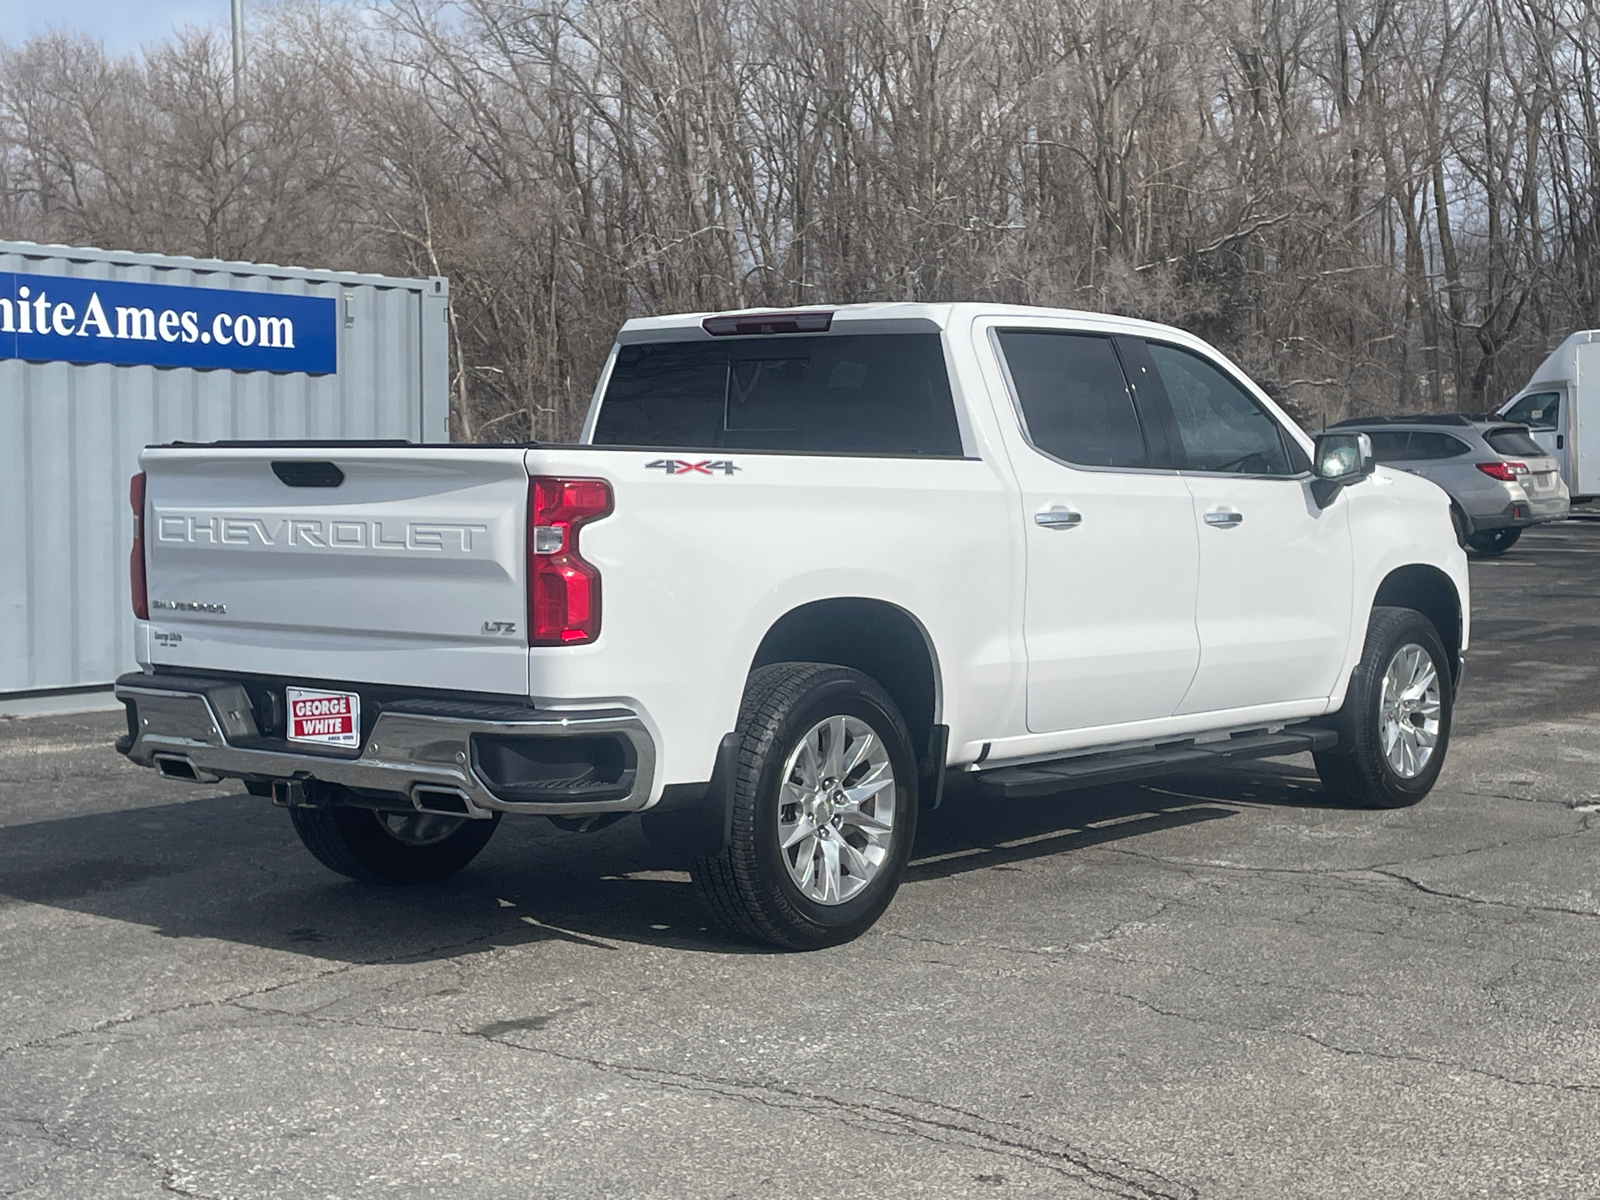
(422, 749)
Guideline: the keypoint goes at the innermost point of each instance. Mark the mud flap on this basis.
(696, 819)
(931, 770)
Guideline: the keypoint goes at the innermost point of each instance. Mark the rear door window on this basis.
(1540, 410)
(1391, 445)
(1220, 426)
(1515, 443)
(1437, 445)
(1075, 402)
(875, 394)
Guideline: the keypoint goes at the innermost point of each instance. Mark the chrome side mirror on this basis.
(1340, 459)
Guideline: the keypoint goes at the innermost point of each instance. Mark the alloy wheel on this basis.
(836, 809)
(1408, 711)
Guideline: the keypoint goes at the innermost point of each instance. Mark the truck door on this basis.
(1112, 550)
(1545, 414)
(1276, 577)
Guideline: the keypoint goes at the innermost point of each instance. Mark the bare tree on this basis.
(1372, 205)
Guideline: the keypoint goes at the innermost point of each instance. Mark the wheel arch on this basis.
(875, 637)
(1432, 593)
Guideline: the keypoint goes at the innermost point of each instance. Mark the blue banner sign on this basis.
(55, 318)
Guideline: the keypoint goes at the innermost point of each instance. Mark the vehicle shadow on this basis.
(229, 868)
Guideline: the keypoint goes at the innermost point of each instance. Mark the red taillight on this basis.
(141, 593)
(563, 590)
(1505, 472)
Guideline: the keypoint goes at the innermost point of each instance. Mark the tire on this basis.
(1493, 542)
(1361, 770)
(755, 887)
(1458, 522)
(364, 844)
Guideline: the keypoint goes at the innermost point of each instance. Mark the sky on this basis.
(122, 24)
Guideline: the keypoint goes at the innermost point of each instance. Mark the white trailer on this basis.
(1561, 408)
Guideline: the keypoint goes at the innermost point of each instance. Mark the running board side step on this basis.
(1095, 770)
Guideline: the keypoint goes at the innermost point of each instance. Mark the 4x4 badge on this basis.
(679, 466)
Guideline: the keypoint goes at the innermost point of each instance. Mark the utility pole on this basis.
(238, 48)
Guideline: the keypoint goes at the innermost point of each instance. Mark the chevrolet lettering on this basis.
(797, 568)
(316, 533)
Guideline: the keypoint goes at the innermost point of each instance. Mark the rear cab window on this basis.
(879, 394)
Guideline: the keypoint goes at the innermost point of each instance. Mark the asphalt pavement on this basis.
(1216, 985)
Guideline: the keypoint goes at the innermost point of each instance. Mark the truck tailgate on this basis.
(410, 569)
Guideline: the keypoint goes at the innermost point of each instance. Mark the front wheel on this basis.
(825, 809)
(391, 847)
(1493, 542)
(1395, 723)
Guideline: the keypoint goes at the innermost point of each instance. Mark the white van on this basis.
(1561, 408)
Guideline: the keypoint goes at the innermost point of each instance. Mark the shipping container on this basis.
(104, 353)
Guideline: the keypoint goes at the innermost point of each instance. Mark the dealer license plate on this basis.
(326, 718)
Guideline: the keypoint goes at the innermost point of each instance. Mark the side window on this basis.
(1437, 445)
(1220, 427)
(1075, 401)
(1390, 445)
(1541, 410)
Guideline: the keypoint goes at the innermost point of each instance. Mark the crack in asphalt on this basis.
(236, 998)
(1270, 1031)
(1107, 1174)
(1052, 953)
(1519, 906)
(1352, 1051)
(1351, 876)
(46, 1135)
(168, 1180)
(1097, 946)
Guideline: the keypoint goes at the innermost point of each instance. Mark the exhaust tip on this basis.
(443, 801)
(176, 766)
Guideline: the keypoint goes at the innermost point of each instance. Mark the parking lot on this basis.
(1215, 985)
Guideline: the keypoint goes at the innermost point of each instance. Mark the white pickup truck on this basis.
(800, 565)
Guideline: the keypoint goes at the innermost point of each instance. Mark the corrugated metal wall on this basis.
(70, 437)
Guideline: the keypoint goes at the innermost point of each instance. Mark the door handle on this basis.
(1224, 518)
(1561, 442)
(1058, 518)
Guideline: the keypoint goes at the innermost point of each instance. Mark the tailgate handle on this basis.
(299, 473)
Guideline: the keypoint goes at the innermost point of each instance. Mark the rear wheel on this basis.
(391, 847)
(825, 809)
(1492, 542)
(1395, 723)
